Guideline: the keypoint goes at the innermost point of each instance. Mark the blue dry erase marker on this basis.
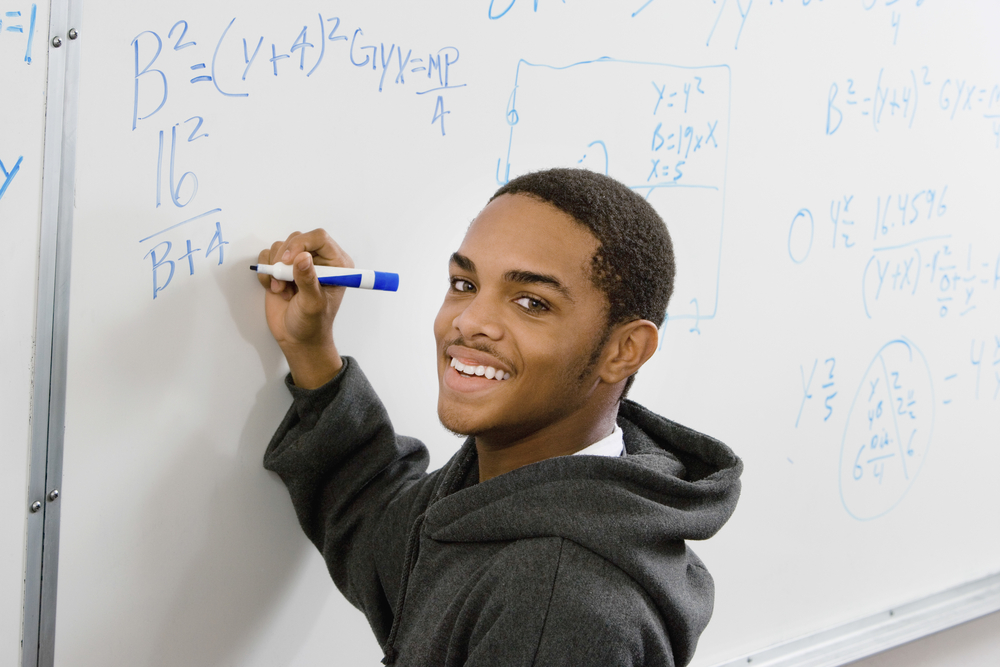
(337, 275)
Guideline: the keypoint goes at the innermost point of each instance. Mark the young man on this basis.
(555, 536)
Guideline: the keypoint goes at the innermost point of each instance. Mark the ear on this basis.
(629, 346)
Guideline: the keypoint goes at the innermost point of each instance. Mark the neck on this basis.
(567, 436)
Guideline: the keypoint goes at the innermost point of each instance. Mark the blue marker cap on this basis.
(388, 282)
(378, 280)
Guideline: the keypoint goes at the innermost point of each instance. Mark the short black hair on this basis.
(634, 261)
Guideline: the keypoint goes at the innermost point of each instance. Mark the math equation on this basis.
(915, 257)
(661, 129)
(888, 432)
(206, 62)
(895, 98)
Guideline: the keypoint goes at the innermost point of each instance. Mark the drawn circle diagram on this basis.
(888, 432)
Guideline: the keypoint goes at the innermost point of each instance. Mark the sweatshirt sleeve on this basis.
(355, 486)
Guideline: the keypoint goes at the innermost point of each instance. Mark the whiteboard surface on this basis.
(826, 173)
(22, 121)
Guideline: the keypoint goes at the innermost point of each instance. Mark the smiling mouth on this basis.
(471, 370)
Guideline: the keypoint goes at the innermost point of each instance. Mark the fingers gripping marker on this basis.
(335, 275)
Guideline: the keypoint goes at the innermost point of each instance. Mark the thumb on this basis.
(310, 292)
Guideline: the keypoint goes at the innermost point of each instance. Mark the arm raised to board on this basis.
(300, 313)
(356, 486)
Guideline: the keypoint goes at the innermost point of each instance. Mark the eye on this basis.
(462, 285)
(531, 304)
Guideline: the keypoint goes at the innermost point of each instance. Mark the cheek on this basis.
(562, 359)
(545, 356)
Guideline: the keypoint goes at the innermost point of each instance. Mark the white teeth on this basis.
(482, 371)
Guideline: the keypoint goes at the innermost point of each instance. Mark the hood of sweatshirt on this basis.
(635, 511)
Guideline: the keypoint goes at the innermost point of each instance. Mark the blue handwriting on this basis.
(8, 176)
(827, 386)
(302, 52)
(661, 129)
(888, 431)
(12, 22)
(894, 100)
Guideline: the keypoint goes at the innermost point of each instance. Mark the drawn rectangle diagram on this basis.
(661, 129)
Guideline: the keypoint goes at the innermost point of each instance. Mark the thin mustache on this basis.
(479, 347)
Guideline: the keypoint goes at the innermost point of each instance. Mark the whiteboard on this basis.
(827, 170)
(22, 118)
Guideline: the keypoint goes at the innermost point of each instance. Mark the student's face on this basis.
(520, 301)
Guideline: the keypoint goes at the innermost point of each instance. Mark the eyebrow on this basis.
(516, 275)
(463, 262)
(532, 278)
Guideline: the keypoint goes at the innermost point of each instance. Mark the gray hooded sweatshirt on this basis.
(575, 560)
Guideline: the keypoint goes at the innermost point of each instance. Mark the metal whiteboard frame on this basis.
(51, 336)
(880, 632)
(831, 648)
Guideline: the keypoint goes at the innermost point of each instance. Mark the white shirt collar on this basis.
(613, 445)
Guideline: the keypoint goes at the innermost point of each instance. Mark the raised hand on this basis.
(300, 314)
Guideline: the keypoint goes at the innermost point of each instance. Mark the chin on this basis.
(455, 422)
(467, 420)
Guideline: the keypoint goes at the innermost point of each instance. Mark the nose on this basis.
(480, 317)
